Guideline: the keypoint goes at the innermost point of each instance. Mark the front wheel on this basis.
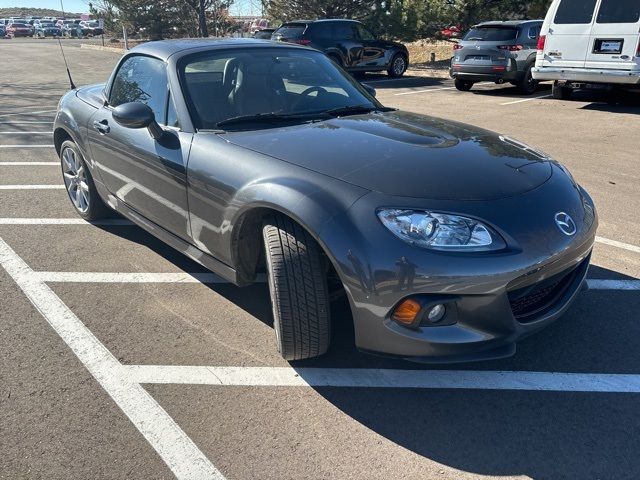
(298, 286)
(79, 184)
(463, 85)
(398, 66)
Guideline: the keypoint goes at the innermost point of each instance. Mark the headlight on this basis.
(440, 231)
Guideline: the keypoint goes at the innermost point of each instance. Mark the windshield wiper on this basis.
(263, 117)
(355, 110)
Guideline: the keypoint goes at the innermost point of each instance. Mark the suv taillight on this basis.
(457, 46)
(511, 48)
(302, 41)
(542, 39)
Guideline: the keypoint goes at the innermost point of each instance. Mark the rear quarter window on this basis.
(619, 11)
(574, 12)
(491, 34)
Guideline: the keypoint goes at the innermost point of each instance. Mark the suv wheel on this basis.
(528, 85)
(463, 85)
(561, 91)
(398, 65)
(298, 287)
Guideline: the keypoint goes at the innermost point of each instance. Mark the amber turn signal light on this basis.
(406, 312)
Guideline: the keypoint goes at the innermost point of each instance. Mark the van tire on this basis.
(298, 286)
(560, 91)
(463, 85)
(528, 85)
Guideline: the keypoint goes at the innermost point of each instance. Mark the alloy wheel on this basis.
(75, 179)
(398, 65)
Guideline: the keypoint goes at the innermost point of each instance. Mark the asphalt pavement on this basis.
(122, 359)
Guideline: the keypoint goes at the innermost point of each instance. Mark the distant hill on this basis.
(40, 12)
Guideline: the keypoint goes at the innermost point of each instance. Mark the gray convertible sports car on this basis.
(450, 242)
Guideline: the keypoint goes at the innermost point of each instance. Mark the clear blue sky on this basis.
(242, 7)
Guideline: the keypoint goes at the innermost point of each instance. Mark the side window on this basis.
(344, 31)
(534, 32)
(172, 116)
(619, 11)
(363, 33)
(141, 79)
(575, 12)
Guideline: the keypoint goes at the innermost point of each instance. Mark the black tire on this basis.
(561, 92)
(528, 85)
(398, 65)
(96, 208)
(298, 286)
(463, 85)
(336, 59)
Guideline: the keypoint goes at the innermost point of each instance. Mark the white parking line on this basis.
(32, 187)
(413, 92)
(26, 146)
(526, 100)
(615, 243)
(27, 133)
(27, 113)
(26, 164)
(63, 221)
(48, 122)
(384, 378)
(177, 450)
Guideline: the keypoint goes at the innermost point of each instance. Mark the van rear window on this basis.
(491, 34)
(619, 11)
(575, 12)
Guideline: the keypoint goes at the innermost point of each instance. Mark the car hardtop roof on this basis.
(322, 20)
(163, 49)
(506, 23)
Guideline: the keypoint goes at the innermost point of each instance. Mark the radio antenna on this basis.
(73, 86)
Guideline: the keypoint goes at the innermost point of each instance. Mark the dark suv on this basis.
(348, 43)
(497, 52)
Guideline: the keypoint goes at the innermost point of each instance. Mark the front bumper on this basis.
(492, 299)
(587, 75)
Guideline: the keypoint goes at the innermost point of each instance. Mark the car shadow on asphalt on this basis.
(384, 82)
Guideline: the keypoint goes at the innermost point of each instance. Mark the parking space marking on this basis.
(614, 243)
(26, 113)
(27, 133)
(384, 378)
(26, 146)
(177, 450)
(64, 221)
(25, 164)
(31, 187)
(423, 91)
(48, 122)
(526, 100)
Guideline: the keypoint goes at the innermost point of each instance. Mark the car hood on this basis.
(405, 154)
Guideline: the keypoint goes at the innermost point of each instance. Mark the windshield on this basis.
(223, 85)
(491, 34)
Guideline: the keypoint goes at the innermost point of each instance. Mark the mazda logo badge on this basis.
(566, 224)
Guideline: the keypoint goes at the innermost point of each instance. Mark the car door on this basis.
(567, 41)
(613, 42)
(373, 50)
(148, 175)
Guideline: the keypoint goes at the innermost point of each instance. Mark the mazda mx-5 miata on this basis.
(449, 241)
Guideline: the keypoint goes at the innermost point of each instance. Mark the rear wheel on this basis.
(560, 91)
(398, 65)
(298, 286)
(528, 85)
(79, 184)
(463, 85)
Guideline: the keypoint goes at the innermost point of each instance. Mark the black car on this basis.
(348, 43)
(449, 242)
(48, 29)
(497, 52)
(264, 34)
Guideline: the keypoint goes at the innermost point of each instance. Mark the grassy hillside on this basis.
(40, 12)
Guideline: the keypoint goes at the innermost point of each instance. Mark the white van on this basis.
(589, 43)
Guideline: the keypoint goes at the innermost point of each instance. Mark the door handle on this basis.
(102, 127)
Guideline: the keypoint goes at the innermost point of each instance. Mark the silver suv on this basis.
(497, 52)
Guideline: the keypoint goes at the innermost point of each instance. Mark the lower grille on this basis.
(528, 303)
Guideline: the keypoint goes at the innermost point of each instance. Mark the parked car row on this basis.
(49, 27)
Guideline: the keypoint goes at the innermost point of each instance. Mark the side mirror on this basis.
(370, 90)
(137, 115)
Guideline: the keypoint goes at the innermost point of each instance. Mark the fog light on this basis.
(437, 313)
(407, 312)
